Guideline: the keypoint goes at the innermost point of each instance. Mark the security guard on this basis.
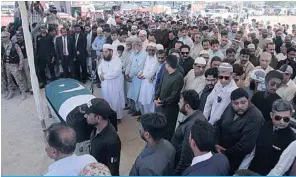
(12, 59)
(26, 71)
(105, 144)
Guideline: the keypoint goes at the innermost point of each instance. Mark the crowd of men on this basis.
(211, 98)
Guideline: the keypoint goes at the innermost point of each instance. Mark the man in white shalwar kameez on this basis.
(219, 98)
(147, 90)
(110, 74)
(133, 69)
(126, 58)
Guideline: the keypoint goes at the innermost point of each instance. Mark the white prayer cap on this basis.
(203, 52)
(99, 29)
(159, 47)
(134, 27)
(251, 46)
(200, 60)
(143, 32)
(225, 67)
(107, 46)
(152, 44)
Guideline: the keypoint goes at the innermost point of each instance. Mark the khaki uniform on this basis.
(3, 79)
(14, 69)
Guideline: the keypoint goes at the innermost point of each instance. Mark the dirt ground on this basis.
(22, 138)
(23, 144)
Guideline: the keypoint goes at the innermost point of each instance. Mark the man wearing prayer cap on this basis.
(110, 74)
(134, 31)
(219, 98)
(143, 37)
(159, 47)
(195, 79)
(134, 67)
(147, 86)
(205, 54)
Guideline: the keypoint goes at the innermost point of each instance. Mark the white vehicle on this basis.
(283, 12)
(259, 12)
(222, 13)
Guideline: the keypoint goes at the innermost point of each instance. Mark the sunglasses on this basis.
(184, 53)
(224, 77)
(285, 119)
(161, 57)
(150, 50)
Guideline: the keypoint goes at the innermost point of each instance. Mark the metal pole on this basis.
(30, 54)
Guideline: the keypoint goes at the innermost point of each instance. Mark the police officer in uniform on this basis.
(26, 71)
(12, 59)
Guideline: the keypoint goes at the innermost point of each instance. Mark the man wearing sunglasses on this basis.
(263, 99)
(219, 98)
(186, 61)
(274, 138)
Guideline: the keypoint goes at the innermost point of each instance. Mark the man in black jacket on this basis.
(172, 41)
(263, 99)
(238, 128)
(162, 35)
(186, 61)
(204, 163)
(80, 54)
(105, 144)
(275, 136)
(188, 106)
(45, 55)
(168, 94)
(211, 75)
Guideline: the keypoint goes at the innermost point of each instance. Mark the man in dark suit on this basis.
(80, 54)
(65, 53)
(201, 141)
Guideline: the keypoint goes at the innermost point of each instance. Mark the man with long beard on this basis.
(147, 87)
(110, 74)
(134, 67)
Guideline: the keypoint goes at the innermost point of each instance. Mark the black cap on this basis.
(97, 106)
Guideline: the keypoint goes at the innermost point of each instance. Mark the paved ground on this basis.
(22, 138)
